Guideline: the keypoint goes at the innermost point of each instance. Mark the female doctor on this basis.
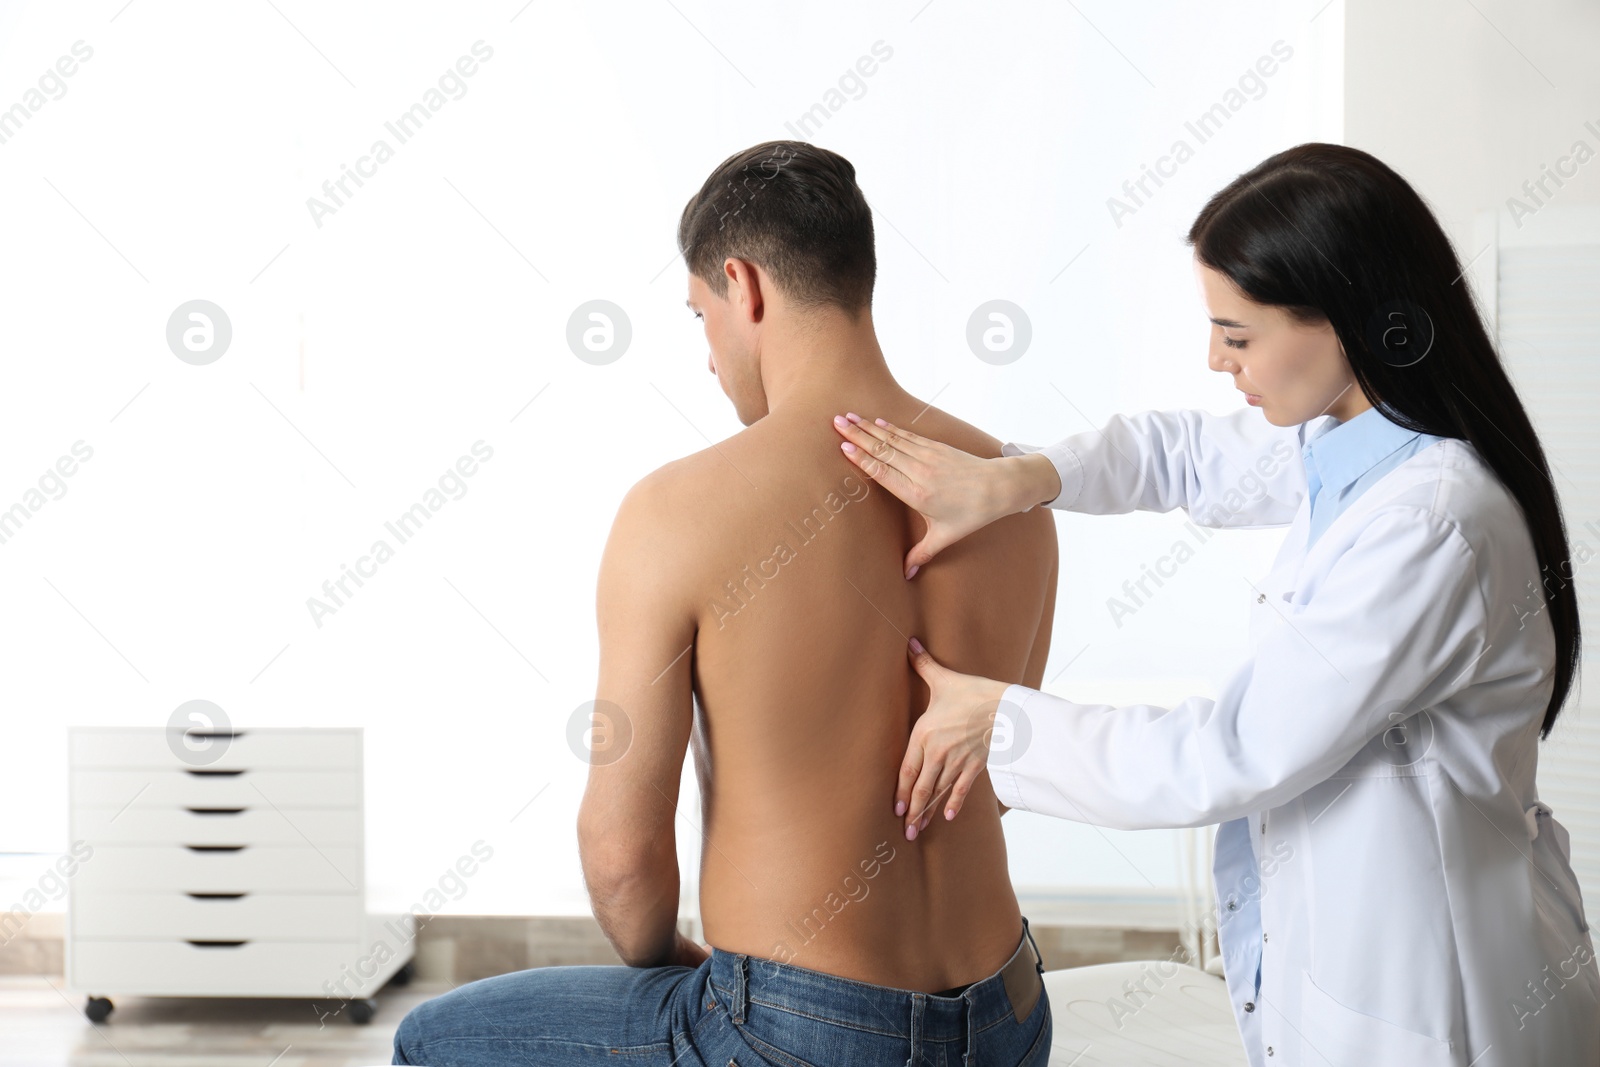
(1390, 888)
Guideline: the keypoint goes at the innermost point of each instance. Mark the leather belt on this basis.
(1023, 978)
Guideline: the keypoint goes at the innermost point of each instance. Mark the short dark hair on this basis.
(796, 211)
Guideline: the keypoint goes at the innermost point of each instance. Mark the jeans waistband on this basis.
(1012, 990)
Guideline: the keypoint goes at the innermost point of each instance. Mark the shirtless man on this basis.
(763, 576)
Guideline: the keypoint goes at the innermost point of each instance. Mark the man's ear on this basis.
(744, 289)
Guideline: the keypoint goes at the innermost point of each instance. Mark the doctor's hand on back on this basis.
(956, 493)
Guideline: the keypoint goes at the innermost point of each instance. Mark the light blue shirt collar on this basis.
(1341, 452)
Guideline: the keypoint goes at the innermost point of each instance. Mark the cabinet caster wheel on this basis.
(403, 976)
(98, 1009)
(361, 1011)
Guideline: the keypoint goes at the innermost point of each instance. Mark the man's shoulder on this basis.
(711, 469)
(939, 425)
(681, 504)
(662, 493)
(655, 548)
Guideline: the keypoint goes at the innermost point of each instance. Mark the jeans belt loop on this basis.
(918, 1002)
(970, 1057)
(739, 992)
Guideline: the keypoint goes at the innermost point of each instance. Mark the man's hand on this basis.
(689, 953)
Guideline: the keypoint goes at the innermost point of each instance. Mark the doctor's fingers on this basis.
(936, 781)
(958, 792)
(910, 768)
(885, 463)
(885, 469)
(920, 791)
(919, 775)
(860, 430)
(901, 449)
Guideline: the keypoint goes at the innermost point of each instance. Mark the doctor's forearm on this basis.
(1031, 479)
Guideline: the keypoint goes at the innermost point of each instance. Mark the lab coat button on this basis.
(1249, 1005)
(1262, 599)
(1263, 937)
(1269, 1050)
(1233, 905)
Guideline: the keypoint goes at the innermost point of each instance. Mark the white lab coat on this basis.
(1408, 897)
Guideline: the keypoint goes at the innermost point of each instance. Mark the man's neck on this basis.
(823, 362)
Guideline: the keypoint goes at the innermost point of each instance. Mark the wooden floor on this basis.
(41, 1025)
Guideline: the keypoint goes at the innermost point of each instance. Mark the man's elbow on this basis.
(618, 880)
(616, 865)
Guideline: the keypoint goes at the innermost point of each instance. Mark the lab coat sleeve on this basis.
(1235, 470)
(1395, 627)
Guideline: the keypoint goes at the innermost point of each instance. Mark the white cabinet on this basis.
(224, 863)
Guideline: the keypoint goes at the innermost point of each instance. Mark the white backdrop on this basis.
(379, 337)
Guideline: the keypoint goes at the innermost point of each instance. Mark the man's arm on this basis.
(625, 823)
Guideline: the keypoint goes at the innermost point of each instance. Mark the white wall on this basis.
(1501, 129)
(429, 313)
(1471, 100)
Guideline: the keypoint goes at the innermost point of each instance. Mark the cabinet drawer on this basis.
(213, 788)
(252, 869)
(267, 748)
(255, 824)
(252, 917)
(176, 968)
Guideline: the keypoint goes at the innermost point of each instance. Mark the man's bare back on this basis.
(751, 605)
(806, 698)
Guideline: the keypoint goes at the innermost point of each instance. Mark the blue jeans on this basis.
(733, 1009)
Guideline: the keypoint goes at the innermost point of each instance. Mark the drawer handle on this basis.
(216, 944)
(217, 896)
(216, 811)
(216, 848)
(207, 773)
(220, 735)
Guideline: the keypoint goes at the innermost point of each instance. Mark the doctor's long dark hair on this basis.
(1330, 233)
